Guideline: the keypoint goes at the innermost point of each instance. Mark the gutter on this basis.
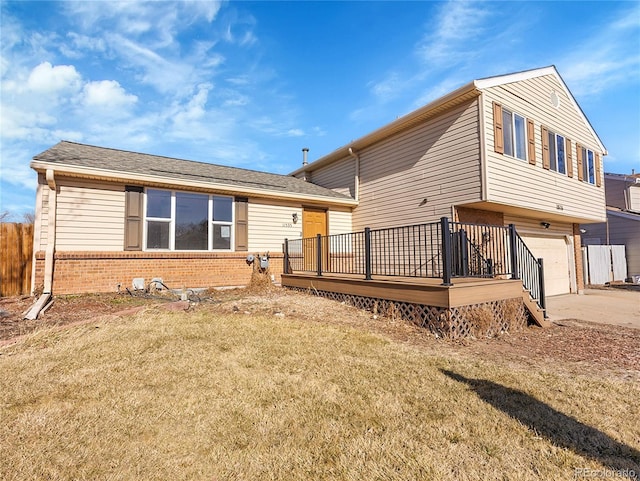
(122, 177)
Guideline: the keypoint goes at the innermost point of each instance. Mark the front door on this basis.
(314, 222)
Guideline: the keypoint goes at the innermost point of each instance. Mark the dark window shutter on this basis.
(545, 148)
(498, 135)
(598, 181)
(242, 223)
(580, 161)
(531, 142)
(133, 218)
(569, 157)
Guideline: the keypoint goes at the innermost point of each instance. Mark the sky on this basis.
(249, 84)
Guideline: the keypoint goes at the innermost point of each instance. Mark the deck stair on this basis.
(534, 309)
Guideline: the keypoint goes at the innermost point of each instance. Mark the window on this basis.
(588, 164)
(554, 145)
(187, 221)
(514, 134)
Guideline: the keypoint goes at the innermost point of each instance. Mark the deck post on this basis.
(446, 251)
(514, 251)
(542, 301)
(319, 253)
(464, 252)
(285, 267)
(367, 253)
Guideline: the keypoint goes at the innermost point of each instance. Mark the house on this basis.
(512, 149)
(104, 217)
(622, 226)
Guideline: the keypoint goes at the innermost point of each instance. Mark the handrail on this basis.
(443, 249)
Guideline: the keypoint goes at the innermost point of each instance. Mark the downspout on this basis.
(42, 301)
(356, 179)
(51, 231)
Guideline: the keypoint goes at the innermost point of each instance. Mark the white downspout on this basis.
(51, 232)
(49, 253)
(356, 179)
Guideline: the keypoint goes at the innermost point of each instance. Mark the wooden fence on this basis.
(16, 257)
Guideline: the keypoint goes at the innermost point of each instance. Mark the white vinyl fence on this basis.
(604, 264)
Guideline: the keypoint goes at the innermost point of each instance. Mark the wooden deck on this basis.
(426, 291)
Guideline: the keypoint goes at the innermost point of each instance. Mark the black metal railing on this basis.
(530, 270)
(443, 249)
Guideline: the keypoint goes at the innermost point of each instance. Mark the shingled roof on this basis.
(75, 155)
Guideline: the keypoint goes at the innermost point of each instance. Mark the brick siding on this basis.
(577, 250)
(82, 272)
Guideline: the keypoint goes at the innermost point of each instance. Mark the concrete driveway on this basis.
(610, 306)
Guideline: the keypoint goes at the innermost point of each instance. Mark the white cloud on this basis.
(607, 59)
(295, 132)
(46, 78)
(107, 93)
(449, 40)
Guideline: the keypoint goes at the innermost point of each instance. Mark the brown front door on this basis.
(314, 222)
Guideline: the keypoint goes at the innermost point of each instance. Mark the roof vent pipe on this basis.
(305, 151)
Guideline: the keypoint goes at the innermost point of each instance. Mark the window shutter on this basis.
(598, 181)
(531, 142)
(545, 148)
(580, 161)
(242, 223)
(133, 218)
(569, 157)
(498, 136)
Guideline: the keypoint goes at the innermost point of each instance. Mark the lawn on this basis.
(219, 394)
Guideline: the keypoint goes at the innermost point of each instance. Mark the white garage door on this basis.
(553, 250)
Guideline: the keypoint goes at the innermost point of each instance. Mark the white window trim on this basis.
(585, 165)
(555, 150)
(514, 135)
(171, 222)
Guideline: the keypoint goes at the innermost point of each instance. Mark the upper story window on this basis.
(588, 165)
(513, 134)
(557, 157)
(188, 221)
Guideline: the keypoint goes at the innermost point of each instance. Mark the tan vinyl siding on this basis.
(340, 222)
(339, 176)
(270, 224)
(526, 225)
(438, 160)
(517, 183)
(90, 216)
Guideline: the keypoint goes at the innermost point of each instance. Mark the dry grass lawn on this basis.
(211, 394)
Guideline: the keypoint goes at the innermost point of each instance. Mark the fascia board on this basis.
(110, 175)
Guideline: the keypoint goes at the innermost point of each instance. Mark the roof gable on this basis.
(532, 74)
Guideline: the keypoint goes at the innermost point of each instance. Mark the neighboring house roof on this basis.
(626, 214)
(89, 161)
(456, 97)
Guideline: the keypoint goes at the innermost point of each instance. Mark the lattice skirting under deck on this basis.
(487, 319)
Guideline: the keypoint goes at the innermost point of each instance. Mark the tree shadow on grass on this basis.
(562, 430)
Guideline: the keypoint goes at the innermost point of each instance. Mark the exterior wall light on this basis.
(546, 225)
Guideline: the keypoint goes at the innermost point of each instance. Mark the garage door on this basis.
(553, 250)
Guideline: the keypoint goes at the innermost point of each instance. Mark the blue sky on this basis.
(249, 84)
